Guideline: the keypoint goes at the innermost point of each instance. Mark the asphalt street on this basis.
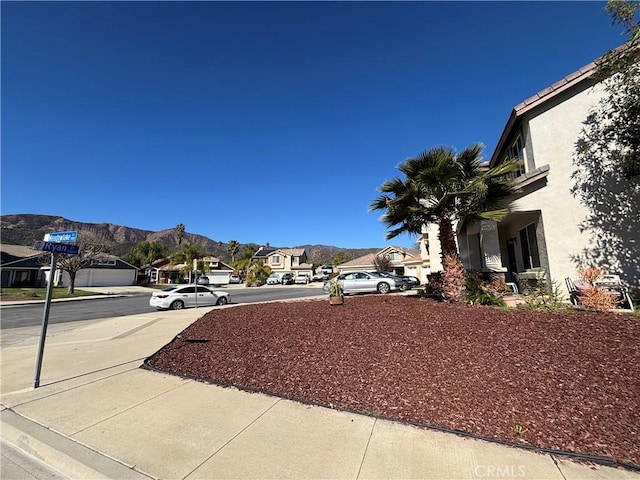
(15, 316)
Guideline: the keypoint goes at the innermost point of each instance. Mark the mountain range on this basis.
(24, 229)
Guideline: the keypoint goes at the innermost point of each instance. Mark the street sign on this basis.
(55, 247)
(61, 237)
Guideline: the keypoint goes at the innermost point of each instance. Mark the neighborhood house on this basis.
(542, 235)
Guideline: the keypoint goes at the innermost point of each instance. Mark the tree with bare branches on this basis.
(89, 253)
(382, 263)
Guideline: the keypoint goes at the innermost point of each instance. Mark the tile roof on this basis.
(559, 86)
(365, 260)
(544, 95)
(294, 252)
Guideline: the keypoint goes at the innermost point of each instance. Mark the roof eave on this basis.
(536, 100)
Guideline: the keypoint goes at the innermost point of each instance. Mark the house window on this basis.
(394, 257)
(516, 151)
(529, 242)
(275, 259)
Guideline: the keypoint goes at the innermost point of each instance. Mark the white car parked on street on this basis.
(302, 278)
(177, 297)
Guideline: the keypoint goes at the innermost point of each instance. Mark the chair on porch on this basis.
(612, 283)
(574, 293)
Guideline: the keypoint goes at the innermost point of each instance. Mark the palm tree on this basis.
(147, 252)
(187, 254)
(245, 262)
(179, 233)
(257, 272)
(441, 186)
(233, 248)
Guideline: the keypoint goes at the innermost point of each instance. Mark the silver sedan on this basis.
(366, 282)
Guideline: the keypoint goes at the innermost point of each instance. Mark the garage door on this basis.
(218, 278)
(104, 278)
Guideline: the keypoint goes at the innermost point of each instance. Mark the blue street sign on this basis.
(56, 247)
(61, 237)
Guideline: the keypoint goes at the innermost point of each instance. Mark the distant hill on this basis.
(23, 229)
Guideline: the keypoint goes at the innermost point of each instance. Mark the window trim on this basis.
(528, 261)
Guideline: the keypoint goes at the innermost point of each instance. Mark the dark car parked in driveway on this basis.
(287, 279)
(404, 281)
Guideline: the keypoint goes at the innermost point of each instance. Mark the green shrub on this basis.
(544, 296)
(481, 292)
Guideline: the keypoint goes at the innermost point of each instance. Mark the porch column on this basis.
(490, 246)
(435, 249)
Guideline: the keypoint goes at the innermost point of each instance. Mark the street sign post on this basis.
(51, 243)
(45, 322)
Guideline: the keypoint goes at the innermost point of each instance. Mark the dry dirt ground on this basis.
(564, 381)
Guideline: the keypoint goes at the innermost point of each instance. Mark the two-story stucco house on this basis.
(285, 260)
(542, 232)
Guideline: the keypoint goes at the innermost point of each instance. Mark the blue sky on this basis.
(264, 122)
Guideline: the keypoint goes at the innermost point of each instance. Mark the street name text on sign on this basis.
(61, 237)
(55, 247)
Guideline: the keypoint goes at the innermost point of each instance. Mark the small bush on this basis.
(544, 296)
(435, 285)
(479, 292)
(594, 297)
(597, 299)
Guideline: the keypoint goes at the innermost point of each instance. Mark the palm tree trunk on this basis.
(453, 272)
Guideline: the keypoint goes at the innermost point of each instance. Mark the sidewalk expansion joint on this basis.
(129, 408)
(232, 438)
(366, 448)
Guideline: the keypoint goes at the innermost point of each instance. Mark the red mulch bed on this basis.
(572, 380)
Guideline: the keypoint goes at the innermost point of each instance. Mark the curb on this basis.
(62, 453)
(12, 303)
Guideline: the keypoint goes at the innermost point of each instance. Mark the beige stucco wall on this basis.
(550, 140)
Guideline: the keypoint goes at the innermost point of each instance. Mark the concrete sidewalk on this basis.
(98, 415)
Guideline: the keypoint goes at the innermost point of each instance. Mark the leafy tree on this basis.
(242, 264)
(188, 253)
(323, 256)
(616, 119)
(341, 257)
(257, 272)
(233, 248)
(618, 61)
(72, 264)
(441, 186)
(179, 233)
(606, 158)
(146, 252)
